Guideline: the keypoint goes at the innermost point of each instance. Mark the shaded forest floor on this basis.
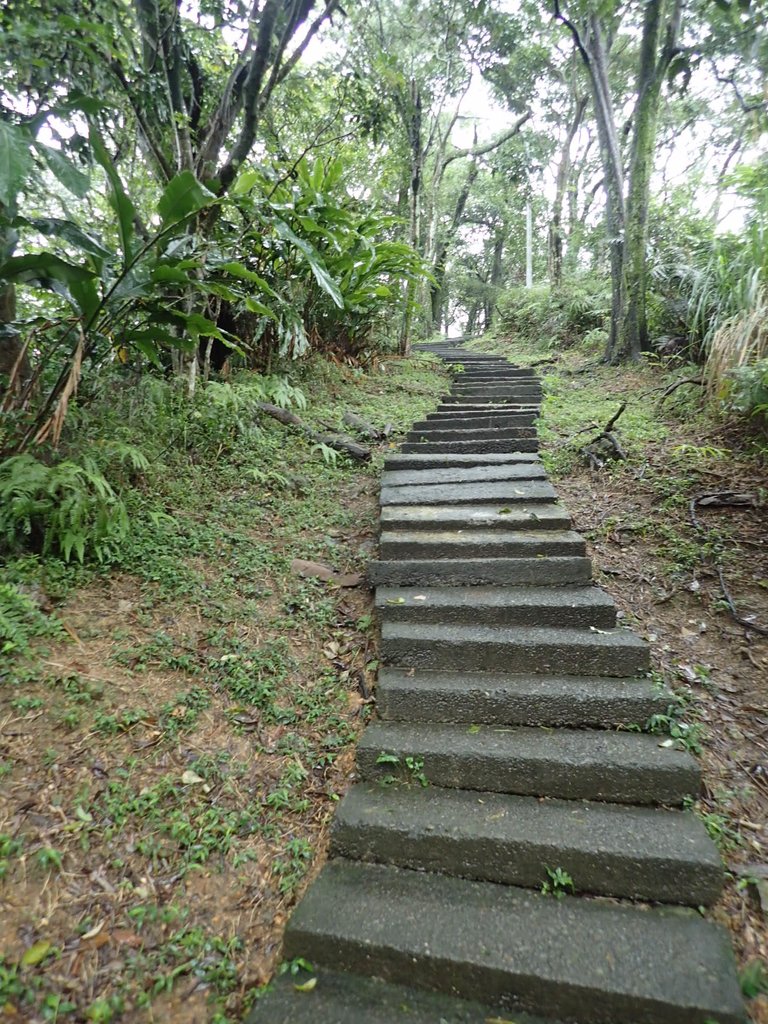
(171, 755)
(662, 542)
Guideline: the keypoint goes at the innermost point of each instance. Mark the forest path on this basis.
(506, 841)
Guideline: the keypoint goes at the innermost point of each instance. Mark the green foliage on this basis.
(558, 883)
(21, 620)
(747, 389)
(558, 317)
(69, 508)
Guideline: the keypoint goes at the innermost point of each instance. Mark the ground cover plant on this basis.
(678, 530)
(176, 720)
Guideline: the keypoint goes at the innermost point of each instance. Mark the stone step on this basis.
(404, 695)
(488, 390)
(481, 409)
(467, 572)
(495, 372)
(572, 651)
(456, 475)
(530, 515)
(492, 493)
(398, 461)
(352, 999)
(423, 544)
(579, 959)
(498, 606)
(639, 853)
(522, 444)
(516, 430)
(465, 423)
(566, 764)
(478, 400)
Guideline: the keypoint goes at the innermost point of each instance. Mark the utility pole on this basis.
(528, 246)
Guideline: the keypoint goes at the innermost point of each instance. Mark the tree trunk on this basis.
(414, 195)
(634, 329)
(563, 175)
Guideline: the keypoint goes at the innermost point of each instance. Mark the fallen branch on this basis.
(339, 442)
(362, 426)
(678, 384)
(595, 451)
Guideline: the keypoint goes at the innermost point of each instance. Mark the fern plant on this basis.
(69, 509)
(21, 620)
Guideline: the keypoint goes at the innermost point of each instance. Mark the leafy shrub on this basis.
(747, 390)
(20, 620)
(558, 317)
(68, 509)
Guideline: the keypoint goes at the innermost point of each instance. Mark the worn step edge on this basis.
(526, 515)
(397, 461)
(558, 571)
(511, 492)
(354, 999)
(468, 474)
(566, 764)
(523, 444)
(424, 544)
(607, 849)
(581, 959)
(570, 650)
(535, 605)
(486, 698)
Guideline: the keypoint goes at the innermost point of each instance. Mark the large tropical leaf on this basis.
(183, 196)
(15, 161)
(118, 197)
(315, 260)
(70, 232)
(62, 168)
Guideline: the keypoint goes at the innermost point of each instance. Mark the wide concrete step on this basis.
(566, 764)
(531, 515)
(498, 606)
(608, 849)
(398, 461)
(353, 999)
(501, 390)
(578, 959)
(570, 651)
(474, 493)
(470, 474)
(498, 421)
(521, 444)
(521, 429)
(495, 373)
(421, 544)
(466, 572)
(508, 699)
(487, 399)
(482, 409)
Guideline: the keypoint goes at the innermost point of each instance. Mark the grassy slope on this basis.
(171, 757)
(663, 573)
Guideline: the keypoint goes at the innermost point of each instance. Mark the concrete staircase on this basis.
(498, 763)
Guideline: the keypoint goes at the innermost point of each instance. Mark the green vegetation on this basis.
(189, 695)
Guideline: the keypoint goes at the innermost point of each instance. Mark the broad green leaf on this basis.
(118, 198)
(183, 196)
(68, 231)
(64, 170)
(86, 297)
(15, 161)
(244, 182)
(170, 274)
(43, 267)
(238, 270)
(254, 306)
(315, 261)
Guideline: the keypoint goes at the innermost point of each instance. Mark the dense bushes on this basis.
(557, 318)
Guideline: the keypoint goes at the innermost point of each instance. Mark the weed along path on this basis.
(508, 851)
